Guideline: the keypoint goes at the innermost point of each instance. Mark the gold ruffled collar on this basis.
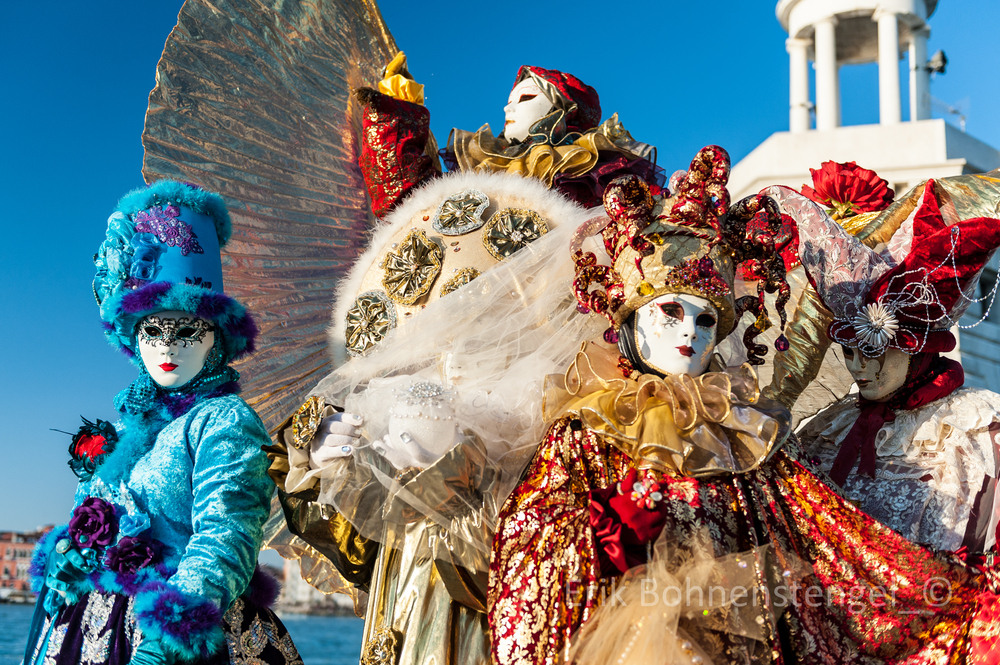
(481, 150)
(688, 426)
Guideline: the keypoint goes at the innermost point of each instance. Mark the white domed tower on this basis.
(835, 33)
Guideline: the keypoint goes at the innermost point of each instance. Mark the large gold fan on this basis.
(253, 100)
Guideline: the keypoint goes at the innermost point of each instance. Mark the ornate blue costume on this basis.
(157, 563)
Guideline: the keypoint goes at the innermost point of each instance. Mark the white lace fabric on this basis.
(932, 463)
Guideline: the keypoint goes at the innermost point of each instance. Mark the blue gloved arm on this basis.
(230, 500)
(66, 574)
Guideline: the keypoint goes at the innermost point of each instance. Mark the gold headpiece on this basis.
(688, 242)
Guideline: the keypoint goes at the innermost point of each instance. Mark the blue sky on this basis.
(75, 77)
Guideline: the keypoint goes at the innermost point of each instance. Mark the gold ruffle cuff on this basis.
(334, 557)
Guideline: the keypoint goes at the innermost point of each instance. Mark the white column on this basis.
(798, 84)
(827, 83)
(920, 78)
(888, 68)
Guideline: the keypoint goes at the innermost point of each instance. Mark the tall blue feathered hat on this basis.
(161, 252)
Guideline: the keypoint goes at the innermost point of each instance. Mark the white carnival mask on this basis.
(526, 105)
(675, 333)
(173, 346)
(877, 378)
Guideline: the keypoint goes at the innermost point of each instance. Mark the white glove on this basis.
(418, 441)
(402, 451)
(337, 436)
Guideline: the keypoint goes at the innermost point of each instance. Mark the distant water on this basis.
(321, 640)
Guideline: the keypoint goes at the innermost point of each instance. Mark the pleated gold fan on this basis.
(253, 100)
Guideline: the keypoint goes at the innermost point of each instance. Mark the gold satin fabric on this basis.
(795, 368)
(396, 82)
(333, 556)
(960, 197)
(423, 607)
(687, 426)
(455, 491)
(402, 88)
(482, 150)
(412, 613)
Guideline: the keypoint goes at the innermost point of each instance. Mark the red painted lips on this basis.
(686, 351)
(168, 367)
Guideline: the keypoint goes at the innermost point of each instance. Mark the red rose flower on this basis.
(847, 189)
(90, 445)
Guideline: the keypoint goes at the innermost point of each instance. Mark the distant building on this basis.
(15, 558)
(836, 33)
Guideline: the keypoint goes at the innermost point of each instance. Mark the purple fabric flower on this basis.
(93, 523)
(131, 554)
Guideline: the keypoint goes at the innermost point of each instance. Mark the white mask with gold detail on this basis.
(675, 333)
(526, 105)
(877, 378)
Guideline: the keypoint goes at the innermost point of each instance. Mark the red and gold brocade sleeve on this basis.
(544, 576)
(871, 596)
(394, 157)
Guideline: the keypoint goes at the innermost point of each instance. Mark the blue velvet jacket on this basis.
(202, 492)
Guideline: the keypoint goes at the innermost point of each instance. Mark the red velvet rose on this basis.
(624, 524)
(848, 189)
(93, 523)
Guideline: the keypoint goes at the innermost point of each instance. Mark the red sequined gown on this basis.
(872, 596)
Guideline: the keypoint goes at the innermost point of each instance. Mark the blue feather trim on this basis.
(40, 556)
(123, 311)
(164, 192)
(189, 627)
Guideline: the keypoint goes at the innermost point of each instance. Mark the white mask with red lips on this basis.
(878, 378)
(173, 346)
(526, 105)
(675, 333)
